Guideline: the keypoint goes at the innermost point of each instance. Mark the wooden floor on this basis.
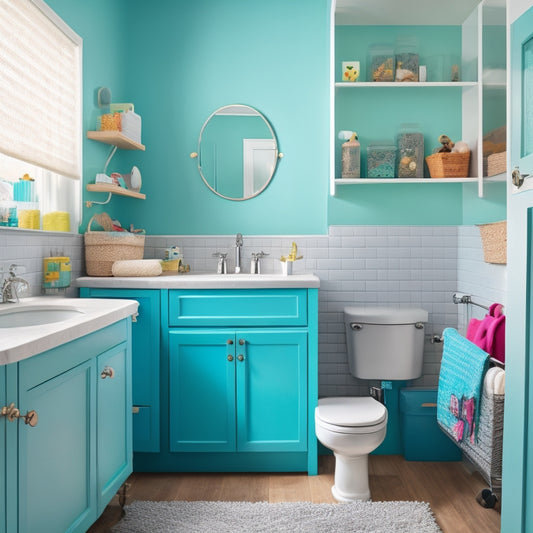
(449, 488)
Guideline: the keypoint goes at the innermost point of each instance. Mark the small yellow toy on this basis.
(292, 255)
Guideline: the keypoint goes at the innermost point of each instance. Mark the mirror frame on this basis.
(277, 154)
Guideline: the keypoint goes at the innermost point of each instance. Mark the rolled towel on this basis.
(488, 383)
(499, 382)
(137, 268)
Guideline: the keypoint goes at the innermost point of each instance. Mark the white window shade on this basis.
(40, 87)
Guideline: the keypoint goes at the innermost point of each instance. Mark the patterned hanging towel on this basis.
(462, 370)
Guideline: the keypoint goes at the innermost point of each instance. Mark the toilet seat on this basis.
(351, 414)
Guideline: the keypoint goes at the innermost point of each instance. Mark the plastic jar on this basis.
(410, 151)
(381, 160)
(381, 63)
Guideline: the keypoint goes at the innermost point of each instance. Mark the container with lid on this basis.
(381, 160)
(381, 63)
(406, 59)
(410, 152)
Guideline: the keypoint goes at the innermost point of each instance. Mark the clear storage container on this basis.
(381, 160)
(406, 60)
(381, 63)
(410, 152)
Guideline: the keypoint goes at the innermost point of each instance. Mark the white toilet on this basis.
(383, 344)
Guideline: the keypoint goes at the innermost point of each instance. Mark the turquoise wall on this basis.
(190, 58)
(179, 61)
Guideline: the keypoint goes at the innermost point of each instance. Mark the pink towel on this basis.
(489, 333)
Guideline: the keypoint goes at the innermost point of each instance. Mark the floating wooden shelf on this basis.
(114, 189)
(115, 138)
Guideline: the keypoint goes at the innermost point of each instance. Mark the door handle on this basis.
(517, 178)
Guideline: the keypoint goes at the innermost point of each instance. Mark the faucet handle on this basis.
(222, 267)
(255, 267)
(15, 270)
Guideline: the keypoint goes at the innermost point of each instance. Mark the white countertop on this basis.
(18, 343)
(203, 281)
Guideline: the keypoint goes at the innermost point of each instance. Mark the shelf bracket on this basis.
(111, 154)
(90, 203)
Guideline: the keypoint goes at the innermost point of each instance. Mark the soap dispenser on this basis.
(351, 155)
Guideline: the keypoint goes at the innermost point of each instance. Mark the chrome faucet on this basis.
(10, 285)
(255, 266)
(222, 267)
(238, 247)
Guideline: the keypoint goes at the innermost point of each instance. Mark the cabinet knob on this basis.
(107, 372)
(230, 342)
(240, 357)
(518, 178)
(230, 358)
(241, 342)
(12, 413)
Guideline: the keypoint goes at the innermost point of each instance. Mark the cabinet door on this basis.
(57, 456)
(202, 390)
(3, 401)
(271, 390)
(114, 457)
(145, 363)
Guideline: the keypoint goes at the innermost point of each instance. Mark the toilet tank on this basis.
(385, 343)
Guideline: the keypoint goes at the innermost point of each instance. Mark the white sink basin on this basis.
(40, 323)
(16, 317)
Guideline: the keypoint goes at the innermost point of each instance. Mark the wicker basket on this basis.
(494, 241)
(103, 248)
(494, 164)
(171, 265)
(448, 165)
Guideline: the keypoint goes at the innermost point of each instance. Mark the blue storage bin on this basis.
(422, 438)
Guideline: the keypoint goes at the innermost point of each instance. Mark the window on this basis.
(40, 117)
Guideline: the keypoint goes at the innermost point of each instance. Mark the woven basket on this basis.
(448, 165)
(494, 164)
(103, 248)
(494, 241)
(171, 265)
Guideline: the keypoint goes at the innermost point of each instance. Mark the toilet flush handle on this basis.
(355, 326)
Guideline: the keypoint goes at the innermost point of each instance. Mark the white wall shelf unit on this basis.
(471, 70)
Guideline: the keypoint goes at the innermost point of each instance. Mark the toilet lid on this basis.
(351, 411)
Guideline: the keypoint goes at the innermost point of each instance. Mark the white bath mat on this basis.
(236, 517)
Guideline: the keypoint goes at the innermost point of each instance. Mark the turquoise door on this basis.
(3, 400)
(57, 456)
(517, 496)
(202, 390)
(271, 390)
(114, 456)
(145, 363)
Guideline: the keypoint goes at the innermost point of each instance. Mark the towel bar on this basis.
(467, 299)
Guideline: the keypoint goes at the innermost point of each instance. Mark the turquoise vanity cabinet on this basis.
(62, 472)
(145, 362)
(238, 369)
(238, 391)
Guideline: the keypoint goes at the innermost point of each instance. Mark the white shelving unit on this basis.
(472, 95)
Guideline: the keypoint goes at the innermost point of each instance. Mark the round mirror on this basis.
(237, 152)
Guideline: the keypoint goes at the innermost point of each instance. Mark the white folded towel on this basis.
(494, 382)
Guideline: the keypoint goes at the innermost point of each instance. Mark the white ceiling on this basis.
(400, 12)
